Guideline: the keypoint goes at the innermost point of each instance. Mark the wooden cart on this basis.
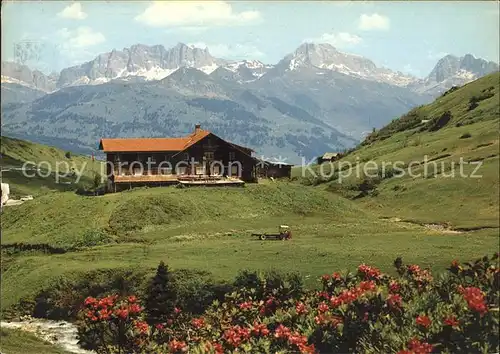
(284, 234)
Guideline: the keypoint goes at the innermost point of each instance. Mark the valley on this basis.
(392, 205)
(209, 229)
(315, 99)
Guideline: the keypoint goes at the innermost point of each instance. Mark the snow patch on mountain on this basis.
(149, 63)
(249, 64)
(208, 69)
(11, 80)
(466, 75)
(325, 56)
(454, 71)
(155, 73)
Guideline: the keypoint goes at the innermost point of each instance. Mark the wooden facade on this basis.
(201, 156)
(266, 169)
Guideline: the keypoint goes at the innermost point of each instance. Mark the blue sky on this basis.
(405, 36)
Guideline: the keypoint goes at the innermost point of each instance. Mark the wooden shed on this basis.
(266, 169)
(329, 157)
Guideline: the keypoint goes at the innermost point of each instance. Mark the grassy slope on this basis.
(461, 202)
(210, 229)
(15, 152)
(18, 342)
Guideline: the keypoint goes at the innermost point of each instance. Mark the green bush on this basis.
(197, 290)
(406, 122)
(474, 100)
(366, 186)
(361, 312)
(450, 90)
(465, 135)
(272, 283)
(93, 237)
(473, 103)
(311, 180)
(61, 300)
(438, 123)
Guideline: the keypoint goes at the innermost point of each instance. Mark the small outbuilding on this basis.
(329, 157)
(267, 169)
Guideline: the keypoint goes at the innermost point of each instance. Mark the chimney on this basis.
(197, 128)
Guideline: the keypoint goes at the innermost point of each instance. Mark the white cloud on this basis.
(194, 14)
(73, 11)
(338, 39)
(231, 51)
(81, 37)
(374, 22)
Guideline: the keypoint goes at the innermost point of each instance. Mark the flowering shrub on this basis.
(367, 312)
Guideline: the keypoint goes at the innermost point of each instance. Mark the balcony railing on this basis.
(164, 172)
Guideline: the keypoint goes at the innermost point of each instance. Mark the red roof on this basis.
(152, 144)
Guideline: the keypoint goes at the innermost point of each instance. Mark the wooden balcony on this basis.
(144, 178)
(187, 179)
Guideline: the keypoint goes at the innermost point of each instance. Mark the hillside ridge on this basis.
(439, 163)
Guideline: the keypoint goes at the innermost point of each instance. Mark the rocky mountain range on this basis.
(315, 99)
(453, 71)
(325, 56)
(144, 63)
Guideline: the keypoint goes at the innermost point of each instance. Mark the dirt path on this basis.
(441, 228)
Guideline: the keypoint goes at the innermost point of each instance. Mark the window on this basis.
(186, 156)
(234, 170)
(216, 170)
(232, 156)
(138, 171)
(200, 169)
(209, 155)
(165, 170)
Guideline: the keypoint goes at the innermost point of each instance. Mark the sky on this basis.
(406, 36)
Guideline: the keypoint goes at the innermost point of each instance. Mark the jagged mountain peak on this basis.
(190, 47)
(241, 71)
(314, 54)
(469, 56)
(467, 67)
(324, 56)
(143, 62)
(139, 61)
(310, 56)
(21, 74)
(311, 47)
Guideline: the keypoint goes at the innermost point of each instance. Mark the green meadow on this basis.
(429, 219)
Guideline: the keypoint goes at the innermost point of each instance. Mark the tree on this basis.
(96, 182)
(68, 154)
(161, 295)
(438, 123)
